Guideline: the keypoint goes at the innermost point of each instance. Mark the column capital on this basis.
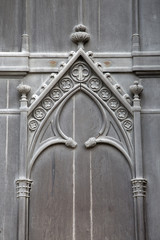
(23, 187)
(139, 186)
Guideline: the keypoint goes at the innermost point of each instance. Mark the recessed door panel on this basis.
(81, 193)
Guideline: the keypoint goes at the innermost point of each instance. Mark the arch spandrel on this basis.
(81, 73)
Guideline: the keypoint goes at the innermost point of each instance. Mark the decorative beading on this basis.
(139, 187)
(23, 187)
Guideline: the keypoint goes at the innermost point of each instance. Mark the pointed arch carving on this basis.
(81, 73)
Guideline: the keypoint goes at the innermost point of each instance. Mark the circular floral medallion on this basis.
(94, 84)
(105, 94)
(47, 103)
(80, 72)
(33, 124)
(66, 84)
(121, 113)
(113, 103)
(39, 113)
(55, 94)
(128, 124)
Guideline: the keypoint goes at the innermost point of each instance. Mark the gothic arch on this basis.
(79, 74)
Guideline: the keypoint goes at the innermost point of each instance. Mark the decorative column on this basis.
(138, 183)
(135, 26)
(23, 184)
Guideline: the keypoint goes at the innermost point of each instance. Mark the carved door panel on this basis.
(81, 193)
(77, 153)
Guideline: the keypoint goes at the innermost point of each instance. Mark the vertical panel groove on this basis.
(6, 169)
(7, 105)
(91, 198)
(74, 170)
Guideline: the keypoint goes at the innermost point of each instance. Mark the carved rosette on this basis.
(66, 84)
(81, 74)
(127, 124)
(23, 187)
(105, 94)
(139, 186)
(33, 125)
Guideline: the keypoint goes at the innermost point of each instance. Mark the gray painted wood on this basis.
(87, 124)
(149, 25)
(49, 26)
(10, 25)
(151, 153)
(11, 168)
(50, 215)
(112, 207)
(2, 173)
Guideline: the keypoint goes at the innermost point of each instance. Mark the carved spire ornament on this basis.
(136, 89)
(23, 90)
(80, 37)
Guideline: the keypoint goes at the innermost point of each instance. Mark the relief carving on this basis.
(39, 113)
(55, 94)
(95, 84)
(80, 72)
(66, 84)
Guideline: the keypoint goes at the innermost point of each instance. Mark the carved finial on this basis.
(136, 89)
(23, 90)
(80, 37)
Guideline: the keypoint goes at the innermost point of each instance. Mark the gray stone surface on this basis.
(81, 192)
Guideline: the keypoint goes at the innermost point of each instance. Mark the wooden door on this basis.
(81, 193)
